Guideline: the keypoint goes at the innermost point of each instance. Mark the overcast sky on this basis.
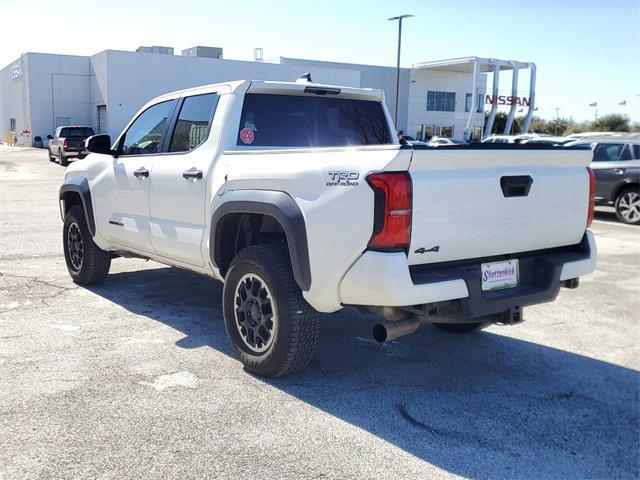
(586, 51)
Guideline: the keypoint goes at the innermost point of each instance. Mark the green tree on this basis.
(578, 128)
(564, 126)
(611, 123)
(540, 125)
(556, 126)
(500, 121)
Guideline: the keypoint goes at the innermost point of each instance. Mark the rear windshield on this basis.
(71, 132)
(311, 121)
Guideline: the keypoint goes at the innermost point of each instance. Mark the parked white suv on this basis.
(299, 197)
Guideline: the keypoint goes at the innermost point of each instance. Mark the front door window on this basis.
(145, 135)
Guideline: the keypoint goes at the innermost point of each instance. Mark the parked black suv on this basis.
(616, 163)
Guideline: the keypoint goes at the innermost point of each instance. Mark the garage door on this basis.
(63, 121)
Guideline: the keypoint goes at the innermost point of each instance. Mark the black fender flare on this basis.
(80, 186)
(284, 209)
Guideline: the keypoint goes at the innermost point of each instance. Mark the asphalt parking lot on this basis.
(135, 378)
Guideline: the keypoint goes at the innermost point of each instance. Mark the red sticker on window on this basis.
(247, 136)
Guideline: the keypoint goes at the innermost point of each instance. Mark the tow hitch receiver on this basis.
(510, 317)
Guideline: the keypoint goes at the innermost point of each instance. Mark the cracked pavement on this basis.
(134, 378)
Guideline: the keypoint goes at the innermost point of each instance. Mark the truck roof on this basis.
(276, 87)
(298, 87)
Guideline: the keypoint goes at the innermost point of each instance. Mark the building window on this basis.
(429, 131)
(446, 132)
(419, 131)
(477, 134)
(441, 101)
(467, 103)
(12, 124)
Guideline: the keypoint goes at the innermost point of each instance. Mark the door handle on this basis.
(141, 172)
(192, 173)
(619, 171)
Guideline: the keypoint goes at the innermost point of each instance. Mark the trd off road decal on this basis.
(343, 179)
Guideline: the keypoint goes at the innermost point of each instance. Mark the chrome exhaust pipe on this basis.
(389, 331)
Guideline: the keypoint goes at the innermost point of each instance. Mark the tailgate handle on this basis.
(516, 185)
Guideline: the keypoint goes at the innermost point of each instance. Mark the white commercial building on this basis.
(39, 92)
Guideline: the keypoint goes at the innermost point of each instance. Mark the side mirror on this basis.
(99, 144)
(49, 137)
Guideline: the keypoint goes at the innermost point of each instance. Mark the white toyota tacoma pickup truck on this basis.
(299, 197)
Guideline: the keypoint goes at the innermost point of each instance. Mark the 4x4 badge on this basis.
(425, 250)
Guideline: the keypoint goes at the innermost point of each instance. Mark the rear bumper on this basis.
(385, 279)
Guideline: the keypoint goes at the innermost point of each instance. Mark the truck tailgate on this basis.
(474, 203)
(75, 144)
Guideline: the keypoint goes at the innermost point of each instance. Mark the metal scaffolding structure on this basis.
(478, 66)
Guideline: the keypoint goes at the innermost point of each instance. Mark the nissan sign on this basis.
(506, 100)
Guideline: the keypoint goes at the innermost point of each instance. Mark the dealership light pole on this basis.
(399, 18)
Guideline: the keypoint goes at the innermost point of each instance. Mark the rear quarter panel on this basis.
(338, 214)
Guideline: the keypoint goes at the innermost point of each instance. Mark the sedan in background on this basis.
(442, 142)
(412, 141)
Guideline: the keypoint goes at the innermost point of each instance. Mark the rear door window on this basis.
(311, 121)
(607, 152)
(72, 132)
(193, 122)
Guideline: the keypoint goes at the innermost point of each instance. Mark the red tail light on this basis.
(65, 145)
(392, 211)
(592, 197)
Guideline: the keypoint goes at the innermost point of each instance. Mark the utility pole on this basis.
(399, 18)
(556, 122)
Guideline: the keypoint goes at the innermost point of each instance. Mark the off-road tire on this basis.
(297, 326)
(95, 262)
(51, 157)
(461, 328)
(627, 193)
